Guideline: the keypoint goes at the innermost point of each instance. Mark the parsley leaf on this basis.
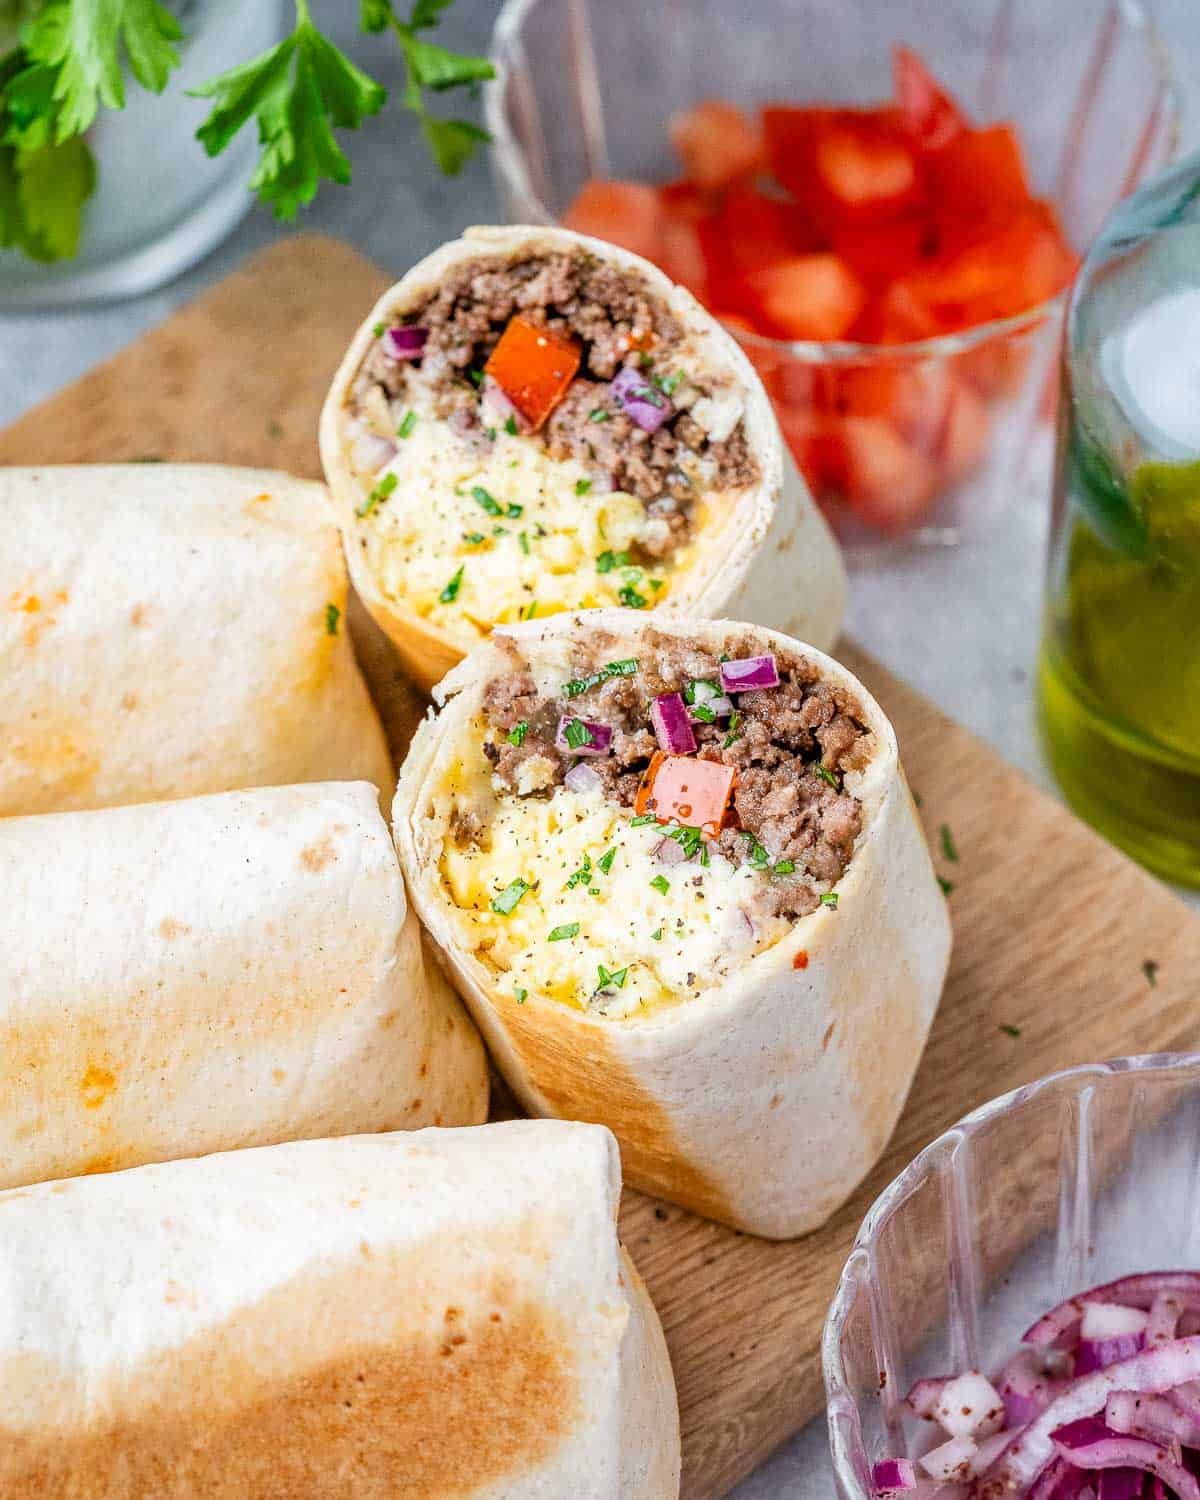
(482, 497)
(608, 560)
(577, 734)
(582, 486)
(605, 862)
(690, 839)
(559, 934)
(378, 495)
(450, 593)
(949, 848)
(825, 774)
(1013, 1031)
(42, 195)
(405, 428)
(830, 899)
(332, 615)
(661, 883)
(624, 668)
(506, 902)
(612, 978)
(582, 875)
(630, 597)
(298, 92)
(516, 735)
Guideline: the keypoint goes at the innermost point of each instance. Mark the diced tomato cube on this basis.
(716, 142)
(977, 183)
(964, 436)
(759, 230)
(877, 253)
(807, 297)
(865, 171)
(929, 114)
(685, 789)
(533, 366)
(625, 213)
(888, 483)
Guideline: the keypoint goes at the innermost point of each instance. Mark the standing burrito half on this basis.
(172, 629)
(442, 1316)
(675, 871)
(532, 421)
(190, 976)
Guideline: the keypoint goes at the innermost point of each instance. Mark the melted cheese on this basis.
(671, 943)
(543, 553)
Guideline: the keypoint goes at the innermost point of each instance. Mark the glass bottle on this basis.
(1119, 672)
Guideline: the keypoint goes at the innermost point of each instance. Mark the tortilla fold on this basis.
(232, 970)
(764, 1098)
(445, 1316)
(168, 630)
(770, 558)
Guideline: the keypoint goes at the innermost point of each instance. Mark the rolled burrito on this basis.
(441, 1316)
(232, 970)
(531, 421)
(173, 629)
(675, 871)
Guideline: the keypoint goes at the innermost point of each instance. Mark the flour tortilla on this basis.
(165, 630)
(232, 970)
(764, 1101)
(772, 561)
(444, 1316)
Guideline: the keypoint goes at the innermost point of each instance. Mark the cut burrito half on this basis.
(439, 1316)
(232, 970)
(675, 871)
(173, 629)
(532, 421)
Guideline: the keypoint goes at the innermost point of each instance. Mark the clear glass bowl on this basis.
(1084, 1176)
(585, 88)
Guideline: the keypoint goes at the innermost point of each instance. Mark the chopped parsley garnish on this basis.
(499, 530)
(577, 685)
(645, 362)
(521, 994)
(700, 691)
(669, 383)
(516, 735)
(825, 774)
(759, 858)
(506, 902)
(481, 495)
(378, 330)
(605, 861)
(582, 486)
(690, 839)
(531, 611)
(946, 885)
(332, 615)
(630, 597)
(598, 414)
(785, 867)
(405, 428)
(949, 848)
(613, 977)
(661, 883)
(450, 593)
(378, 495)
(608, 560)
(830, 899)
(511, 426)
(1013, 1031)
(735, 718)
(582, 875)
(474, 537)
(490, 434)
(642, 819)
(658, 935)
(576, 733)
(523, 539)
(560, 934)
(475, 377)
(514, 511)
(1150, 970)
(702, 712)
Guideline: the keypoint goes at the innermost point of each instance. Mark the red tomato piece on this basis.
(685, 789)
(877, 253)
(758, 230)
(681, 256)
(625, 213)
(964, 436)
(716, 142)
(977, 183)
(865, 171)
(888, 483)
(929, 114)
(790, 135)
(533, 367)
(807, 297)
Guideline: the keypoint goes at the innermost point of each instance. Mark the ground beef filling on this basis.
(614, 315)
(791, 809)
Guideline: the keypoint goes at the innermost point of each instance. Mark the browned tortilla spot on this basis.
(343, 1385)
(169, 928)
(570, 1061)
(96, 1086)
(319, 855)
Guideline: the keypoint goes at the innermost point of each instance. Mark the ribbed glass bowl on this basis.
(1084, 1176)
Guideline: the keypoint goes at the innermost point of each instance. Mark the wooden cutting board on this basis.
(1052, 925)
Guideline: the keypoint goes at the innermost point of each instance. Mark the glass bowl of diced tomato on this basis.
(885, 202)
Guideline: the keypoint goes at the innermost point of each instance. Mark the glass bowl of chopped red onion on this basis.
(1020, 1314)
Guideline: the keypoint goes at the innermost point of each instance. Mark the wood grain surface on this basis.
(1052, 925)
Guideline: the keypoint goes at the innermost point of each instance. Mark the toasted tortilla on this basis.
(772, 559)
(763, 1100)
(232, 970)
(173, 629)
(445, 1315)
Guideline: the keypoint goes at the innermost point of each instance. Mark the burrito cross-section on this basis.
(675, 871)
(445, 1315)
(531, 422)
(233, 970)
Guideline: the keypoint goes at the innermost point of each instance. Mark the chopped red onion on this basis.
(951, 1460)
(645, 403)
(1089, 1444)
(894, 1474)
(1187, 1398)
(669, 851)
(926, 1394)
(1163, 1318)
(372, 452)
(598, 742)
(749, 673)
(402, 343)
(1025, 1388)
(672, 726)
(1120, 1484)
(1155, 1418)
(969, 1406)
(582, 779)
(1060, 1325)
(500, 406)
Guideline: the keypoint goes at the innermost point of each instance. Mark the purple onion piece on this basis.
(749, 673)
(668, 852)
(582, 779)
(645, 403)
(499, 404)
(672, 726)
(402, 343)
(894, 1474)
(599, 741)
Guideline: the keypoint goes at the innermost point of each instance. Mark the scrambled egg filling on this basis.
(471, 538)
(565, 899)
